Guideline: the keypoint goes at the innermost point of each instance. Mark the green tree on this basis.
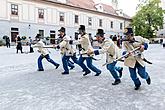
(148, 19)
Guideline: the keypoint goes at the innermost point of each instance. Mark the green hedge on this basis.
(2, 43)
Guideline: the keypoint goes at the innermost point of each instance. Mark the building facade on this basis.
(31, 17)
(161, 32)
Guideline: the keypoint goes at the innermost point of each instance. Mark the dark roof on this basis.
(109, 9)
(90, 4)
(87, 4)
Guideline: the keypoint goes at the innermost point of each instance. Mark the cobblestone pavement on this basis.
(24, 88)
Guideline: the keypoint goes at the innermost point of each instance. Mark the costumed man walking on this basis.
(19, 43)
(8, 42)
(44, 54)
(84, 46)
(163, 43)
(30, 44)
(135, 60)
(66, 50)
(59, 40)
(112, 53)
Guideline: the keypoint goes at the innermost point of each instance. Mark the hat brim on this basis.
(127, 33)
(82, 29)
(101, 35)
(61, 31)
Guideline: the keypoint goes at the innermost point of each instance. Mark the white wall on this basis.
(4, 29)
(28, 14)
(3, 9)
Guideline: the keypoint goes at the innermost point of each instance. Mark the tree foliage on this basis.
(148, 19)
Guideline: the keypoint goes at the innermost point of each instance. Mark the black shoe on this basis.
(137, 87)
(148, 80)
(97, 74)
(64, 73)
(121, 72)
(117, 81)
(40, 70)
(72, 67)
(83, 70)
(57, 66)
(86, 72)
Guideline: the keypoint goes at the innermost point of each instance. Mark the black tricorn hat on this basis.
(82, 27)
(38, 36)
(128, 30)
(100, 32)
(62, 29)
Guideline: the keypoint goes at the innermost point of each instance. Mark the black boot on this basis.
(65, 73)
(148, 80)
(72, 67)
(137, 87)
(120, 72)
(117, 81)
(57, 66)
(97, 74)
(40, 70)
(86, 72)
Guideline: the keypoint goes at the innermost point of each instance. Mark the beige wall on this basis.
(3, 9)
(28, 12)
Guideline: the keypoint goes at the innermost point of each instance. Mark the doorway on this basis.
(14, 33)
(52, 37)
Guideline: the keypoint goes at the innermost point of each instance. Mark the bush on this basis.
(23, 37)
(2, 43)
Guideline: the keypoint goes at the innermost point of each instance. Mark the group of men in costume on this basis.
(134, 60)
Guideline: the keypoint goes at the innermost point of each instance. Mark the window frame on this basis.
(100, 23)
(41, 32)
(89, 21)
(41, 13)
(14, 9)
(62, 16)
(121, 26)
(76, 19)
(111, 24)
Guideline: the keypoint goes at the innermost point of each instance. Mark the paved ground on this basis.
(24, 88)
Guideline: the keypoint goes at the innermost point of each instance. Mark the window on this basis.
(111, 24)
(121, 26)
(76, 19)
(14, 33)
(62, 16)
(89, 21)
(52, 32)
(101, 8)
(52, 37)
(100, 22)
(41, 32)
(41, 13)
(14, 9)
(14, 29)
